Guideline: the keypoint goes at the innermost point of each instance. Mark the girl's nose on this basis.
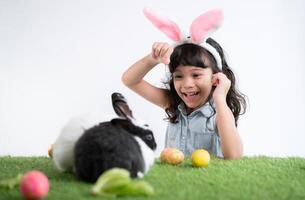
(188, 82)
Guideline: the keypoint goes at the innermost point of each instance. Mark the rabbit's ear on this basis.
(165, 25)
(120, 106)
(203, 25)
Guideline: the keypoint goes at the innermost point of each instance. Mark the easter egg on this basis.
(200, 158)
(34, 185)
(171, 156)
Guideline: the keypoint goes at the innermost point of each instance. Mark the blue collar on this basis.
(207, 109)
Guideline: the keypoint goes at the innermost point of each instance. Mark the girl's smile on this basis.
(190, 96)
(193, 85)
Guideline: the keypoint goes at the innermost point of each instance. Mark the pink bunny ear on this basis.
(206, 23)
(167, 26)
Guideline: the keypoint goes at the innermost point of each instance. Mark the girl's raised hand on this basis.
(161, 52)
(223, 84)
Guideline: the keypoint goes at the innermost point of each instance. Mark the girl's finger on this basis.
(221, 78)
(156, 49)
(164, 48)
(159, 48)
(167, 54)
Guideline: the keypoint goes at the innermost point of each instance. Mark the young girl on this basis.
(201, 102)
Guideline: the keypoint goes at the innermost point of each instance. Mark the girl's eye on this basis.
(196, 75)
(177, 76)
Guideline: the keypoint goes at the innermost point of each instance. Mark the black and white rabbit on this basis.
(121, 142)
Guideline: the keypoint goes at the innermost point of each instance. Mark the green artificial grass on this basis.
(247, 178)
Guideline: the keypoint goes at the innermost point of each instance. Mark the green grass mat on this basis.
(248, 178)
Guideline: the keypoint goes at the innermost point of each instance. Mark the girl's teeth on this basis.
(190, 94)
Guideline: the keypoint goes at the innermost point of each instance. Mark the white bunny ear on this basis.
(165, 25)
(203, 25)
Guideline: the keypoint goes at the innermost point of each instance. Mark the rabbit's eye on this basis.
(148, 137)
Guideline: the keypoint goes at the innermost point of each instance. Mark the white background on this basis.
(62, 58)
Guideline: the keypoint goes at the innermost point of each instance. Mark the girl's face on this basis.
(193, 85)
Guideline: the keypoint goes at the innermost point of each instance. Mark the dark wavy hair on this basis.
(195, 55)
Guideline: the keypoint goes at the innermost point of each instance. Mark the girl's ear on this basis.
(165, 25)
(205, 24)
(214, 80)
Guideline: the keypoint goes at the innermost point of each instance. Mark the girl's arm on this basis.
(231, 143)
(133, 77)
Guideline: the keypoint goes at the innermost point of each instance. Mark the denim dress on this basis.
(194, 131)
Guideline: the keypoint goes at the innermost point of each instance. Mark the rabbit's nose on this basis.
(154, 146)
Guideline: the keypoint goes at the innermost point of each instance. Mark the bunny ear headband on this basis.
(200, 29)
